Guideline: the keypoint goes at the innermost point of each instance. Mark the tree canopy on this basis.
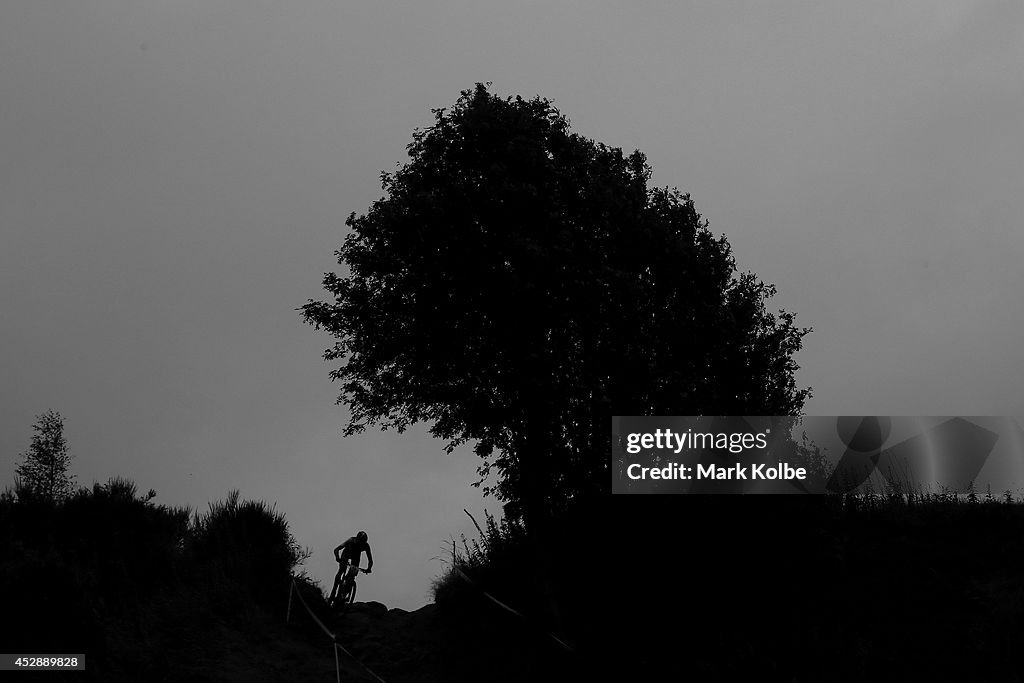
(518, 284)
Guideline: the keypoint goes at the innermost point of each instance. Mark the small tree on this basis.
(44, 473)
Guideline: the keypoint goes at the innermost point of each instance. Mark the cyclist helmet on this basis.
(362, 536)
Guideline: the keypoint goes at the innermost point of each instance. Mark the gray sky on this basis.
(174, 178)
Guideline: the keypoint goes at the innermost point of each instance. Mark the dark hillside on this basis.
(151, 592)
(707, 588)
(790, 588)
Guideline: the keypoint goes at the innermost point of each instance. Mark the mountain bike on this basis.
(347, 589)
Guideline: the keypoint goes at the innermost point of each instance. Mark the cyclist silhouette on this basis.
(349, 553)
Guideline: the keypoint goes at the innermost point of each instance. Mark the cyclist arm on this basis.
(369, 560)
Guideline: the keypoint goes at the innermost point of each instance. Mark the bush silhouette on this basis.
(496, 562)
(66, 566)
(245, 545)
(131, 582)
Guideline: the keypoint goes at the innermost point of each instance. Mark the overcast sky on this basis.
(174, 178)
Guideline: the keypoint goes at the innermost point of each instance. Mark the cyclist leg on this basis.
(337, 583)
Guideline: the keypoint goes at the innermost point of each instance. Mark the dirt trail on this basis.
(395, 644)
(423, 645)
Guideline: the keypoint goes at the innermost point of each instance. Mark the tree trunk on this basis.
(534, 460)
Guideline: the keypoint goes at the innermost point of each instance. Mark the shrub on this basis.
(246, 545)
(494, 561)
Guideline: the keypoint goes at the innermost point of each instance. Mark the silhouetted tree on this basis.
(44, 472)
(519, 284)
